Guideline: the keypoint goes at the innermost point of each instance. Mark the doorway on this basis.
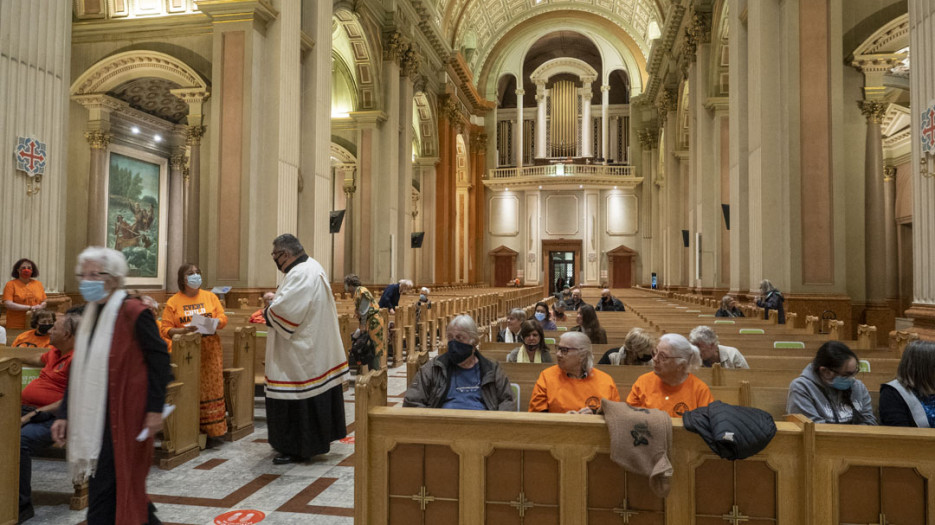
(561, 270)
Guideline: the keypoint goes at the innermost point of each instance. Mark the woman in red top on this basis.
(22, 293)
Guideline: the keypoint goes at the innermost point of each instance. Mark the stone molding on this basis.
(115, 70)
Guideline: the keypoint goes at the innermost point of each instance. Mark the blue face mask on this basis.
(423, 298)
(92, 291)
(194, 280)
(540, 316)
(842, 383)
(459, 351)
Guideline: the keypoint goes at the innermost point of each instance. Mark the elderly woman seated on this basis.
(514, 322)
(728, 308)
(705, 338)
(671, 386)
(573, 385)
(533, 349)
(828, 390)
(909, 400)
(637, 349)
(461, 377)
(38, 337)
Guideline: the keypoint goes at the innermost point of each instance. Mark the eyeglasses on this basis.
(93, 276)
(855, 373)
(660, 357)
(566, 349)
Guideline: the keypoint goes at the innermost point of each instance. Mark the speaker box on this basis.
(416, 239)
(337, 217)
(725, 208)
(685, 238)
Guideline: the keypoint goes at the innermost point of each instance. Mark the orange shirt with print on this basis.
(650, 392)
(30, 339)
(556, 392)
(180, 308)
(30, 294)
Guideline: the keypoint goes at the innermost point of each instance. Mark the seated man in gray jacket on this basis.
(461, 378)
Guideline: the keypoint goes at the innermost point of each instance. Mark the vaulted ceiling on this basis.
(479, 24)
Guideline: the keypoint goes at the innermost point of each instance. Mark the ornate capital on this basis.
(393, 46)
(479, 142)
(649, 138)
(97, 139)
(451, 110)
(186, 174)
(195, 133)
(520, 92)
(409, 60)
(177, 161)
(605, 88)
(872, 110)
(698, 31)
(889, 173)
(540, 97)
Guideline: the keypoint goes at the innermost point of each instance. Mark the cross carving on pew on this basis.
(422, 497)
(735, 517)
(188, 358)
(625, 512)
(522, 504)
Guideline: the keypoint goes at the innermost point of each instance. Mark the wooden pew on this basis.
(183, 435)
(239, 386)
(10, 386)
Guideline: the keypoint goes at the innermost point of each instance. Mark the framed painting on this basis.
(137, 212)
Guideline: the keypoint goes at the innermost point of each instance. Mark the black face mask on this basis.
(43, 329)
(459, 351)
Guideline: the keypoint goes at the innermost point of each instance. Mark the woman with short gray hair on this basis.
(514, 322)
(671, 386)
(909, 400)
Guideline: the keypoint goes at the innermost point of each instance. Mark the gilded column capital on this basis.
(698, 31)
(649, 138)
(889, 173)
(97, 139)
(186, 174)
(479, 142)
(873, 110)
(451, 110)
(540, 97)
(177, 161)
(409, 60)
(394, 46)
(194, 135)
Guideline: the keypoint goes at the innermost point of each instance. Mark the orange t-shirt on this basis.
(556, 392)
(258, 317)
(180, 308)
(30, 339)
(30, 294)
(50, 386)
(650, 392)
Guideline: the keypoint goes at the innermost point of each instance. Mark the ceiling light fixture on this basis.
(157, 138)
(135, 130)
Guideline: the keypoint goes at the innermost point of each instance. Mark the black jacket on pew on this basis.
(732, 432)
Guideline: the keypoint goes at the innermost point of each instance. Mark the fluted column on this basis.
(176, 219)
(97, 187)
(541, 99)
(405, 257)
(875, 242)
(605, 113)
(193, 195)
(384, 203)
(519, 128)
(349, 187)
(586, 120)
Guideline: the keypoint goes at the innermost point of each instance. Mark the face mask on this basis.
(25, 273)
(459, 351)
(842, 383)
(43, 329)
(194, 280)
(540, 316)
(92, 291)
(423, 298)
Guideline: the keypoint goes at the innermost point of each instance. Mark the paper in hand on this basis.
(205, 325)
(166, 410)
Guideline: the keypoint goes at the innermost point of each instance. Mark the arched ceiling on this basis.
(482, 23)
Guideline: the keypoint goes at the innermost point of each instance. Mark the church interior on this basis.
(493, 151)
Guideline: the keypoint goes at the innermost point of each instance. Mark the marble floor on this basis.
(235, 476)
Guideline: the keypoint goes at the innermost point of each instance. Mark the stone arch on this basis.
(719, 70)
(683, 117)
(570, 65)
(118, 69)
(425, 119)
(890, 38)
(362, 58)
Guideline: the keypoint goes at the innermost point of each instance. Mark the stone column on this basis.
(586, 120)
(193, 195)
(738, 140)
(889, 233)
(176, 219)
(649, 219)
(426, 272)
(874, 236)
(519, 128)
(922, 92)
(410, 61)
(605, 112)
(349, 186)
(612, 152)
(97, 187)
(541, 100)
(384, 202)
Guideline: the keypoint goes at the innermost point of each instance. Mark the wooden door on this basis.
(621, 272)
(503, 270)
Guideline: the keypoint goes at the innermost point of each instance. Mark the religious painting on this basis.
(137, 212)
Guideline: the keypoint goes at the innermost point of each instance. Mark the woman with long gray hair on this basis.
(909, 400)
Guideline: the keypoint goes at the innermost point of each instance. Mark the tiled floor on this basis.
(237, 475)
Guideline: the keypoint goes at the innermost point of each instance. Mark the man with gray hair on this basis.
(705, 338)
(573, 385)
(305, 361)
(391, 294)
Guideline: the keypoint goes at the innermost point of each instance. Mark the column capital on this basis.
(697, 31)
(450, 109)
(520, 92)
(873, 110)
(409, 60)
(540, 97)
(875, 67)
(177, 160)
(479, 142)
(889, 173)
(393, 46)
(195, 133)
(649, 138)
(605, 88)
(97, 139)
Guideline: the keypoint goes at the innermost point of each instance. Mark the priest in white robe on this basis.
(305, 361)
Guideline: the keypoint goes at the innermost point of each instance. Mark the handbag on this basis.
(362, 350)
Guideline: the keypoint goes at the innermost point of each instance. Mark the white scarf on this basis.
(87, 386)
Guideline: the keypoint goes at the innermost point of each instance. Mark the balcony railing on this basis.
(561, 170)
